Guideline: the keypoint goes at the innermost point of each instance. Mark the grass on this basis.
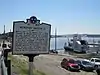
(20, 66)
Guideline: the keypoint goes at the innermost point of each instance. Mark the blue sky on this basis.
(68, 16)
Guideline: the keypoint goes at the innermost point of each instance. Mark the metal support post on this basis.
(31, 60)
(9, 67)
(55, 39)
(6, 61)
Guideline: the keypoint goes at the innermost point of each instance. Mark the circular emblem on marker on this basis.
(33, 19)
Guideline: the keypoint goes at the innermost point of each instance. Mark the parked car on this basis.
(95, 62)
(70, 64)
(85, 65)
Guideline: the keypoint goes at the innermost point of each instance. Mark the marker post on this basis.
(31, 61)
(30, 39)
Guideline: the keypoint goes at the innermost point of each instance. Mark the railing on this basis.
(3, 68)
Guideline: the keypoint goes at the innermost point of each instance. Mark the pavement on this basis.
(50, 65)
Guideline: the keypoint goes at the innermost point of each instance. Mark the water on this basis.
(61, 41)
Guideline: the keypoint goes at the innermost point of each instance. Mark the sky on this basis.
(67, 16)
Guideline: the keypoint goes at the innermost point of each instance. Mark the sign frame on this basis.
(13, 43)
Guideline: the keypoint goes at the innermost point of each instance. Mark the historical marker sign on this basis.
(31, 38)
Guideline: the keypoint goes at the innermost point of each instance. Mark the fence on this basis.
(3, 68)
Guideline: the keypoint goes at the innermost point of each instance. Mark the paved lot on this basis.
(50, 64)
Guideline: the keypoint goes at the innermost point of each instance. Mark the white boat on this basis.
(77, 44)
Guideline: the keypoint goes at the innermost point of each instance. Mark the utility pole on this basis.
(55, 39)
(4, 38)
(4, 34)
(4, 29)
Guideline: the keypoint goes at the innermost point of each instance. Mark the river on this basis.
(61, 41)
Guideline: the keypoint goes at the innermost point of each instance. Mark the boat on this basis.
(77, 44)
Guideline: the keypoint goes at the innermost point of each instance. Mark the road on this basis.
(50, 64)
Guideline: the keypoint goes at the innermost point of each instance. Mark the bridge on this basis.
(10, 34)
(71, 35)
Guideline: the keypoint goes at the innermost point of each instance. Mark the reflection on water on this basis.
(61, 41)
